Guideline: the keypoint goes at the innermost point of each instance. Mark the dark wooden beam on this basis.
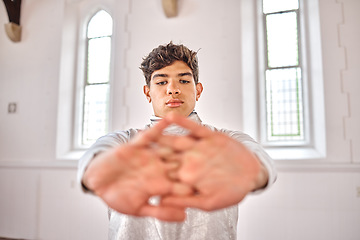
(170, 8)
(13, 28)
(13, 8)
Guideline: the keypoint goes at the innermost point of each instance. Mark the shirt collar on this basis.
(192, 116)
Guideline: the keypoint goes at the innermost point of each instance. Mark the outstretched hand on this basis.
(127, 176)
(221, 170)
(204, 169)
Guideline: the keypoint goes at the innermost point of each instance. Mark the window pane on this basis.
(99, 60)
(282, 40)
(270, 6)
(96, 110)
(100, 25)
(284, 104)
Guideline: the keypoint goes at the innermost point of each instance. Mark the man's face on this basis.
(172, 89)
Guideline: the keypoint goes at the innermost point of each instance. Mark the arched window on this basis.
(86, 76)
(96, 91)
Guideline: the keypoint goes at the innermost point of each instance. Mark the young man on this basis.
(176, 178)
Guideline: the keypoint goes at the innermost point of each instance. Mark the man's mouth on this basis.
(174, 103)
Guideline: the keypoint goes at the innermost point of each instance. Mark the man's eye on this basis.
(184, 81)
(161, 83)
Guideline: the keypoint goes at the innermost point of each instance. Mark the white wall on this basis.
(39, 197)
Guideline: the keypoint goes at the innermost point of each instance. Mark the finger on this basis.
(167, 155)
(176, 143)
(176, 157)
(172, 165)
(163, 151)
(193, 167)
(172, 170)
(206, 203)
(194, 201)
(173, 175)
(196, 129)
(152, 134)
(182, 189)
(165, 213)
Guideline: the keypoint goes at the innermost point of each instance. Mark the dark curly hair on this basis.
(165, 55)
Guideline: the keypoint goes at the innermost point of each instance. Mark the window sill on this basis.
(310, 166)
(307, 159)
(71, 155)
(294, 153)
(39, 164)
(68, 160)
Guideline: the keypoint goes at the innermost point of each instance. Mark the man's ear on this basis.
(147, 93)
(199, 89)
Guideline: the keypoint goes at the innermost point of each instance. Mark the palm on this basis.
(127, 176)
(134, 181)
(221, 170)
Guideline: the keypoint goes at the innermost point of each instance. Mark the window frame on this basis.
(252, 79)
(72, 72)
(82, 79)
(263, 63)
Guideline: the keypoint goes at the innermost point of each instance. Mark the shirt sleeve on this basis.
(102, 144)
(259, 151)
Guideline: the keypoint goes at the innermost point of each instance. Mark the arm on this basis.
(101, 145)
(268, 170)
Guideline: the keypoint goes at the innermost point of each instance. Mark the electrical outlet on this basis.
(12, 107)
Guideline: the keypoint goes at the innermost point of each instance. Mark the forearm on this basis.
(101, 145)
(84, 163)
(267, 174)
(85, 176)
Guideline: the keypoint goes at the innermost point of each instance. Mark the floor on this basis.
(10, 239)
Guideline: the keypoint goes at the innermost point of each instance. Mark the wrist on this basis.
(262, 178)
(85, 188)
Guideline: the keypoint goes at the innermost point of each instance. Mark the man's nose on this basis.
(173, 89)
